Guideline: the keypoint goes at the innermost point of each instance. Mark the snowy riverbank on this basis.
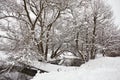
(105, 68)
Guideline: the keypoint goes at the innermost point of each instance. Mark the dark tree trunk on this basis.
(93, 38)
(77, 41)
(56, 51)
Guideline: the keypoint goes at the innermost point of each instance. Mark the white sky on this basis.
(115, 4)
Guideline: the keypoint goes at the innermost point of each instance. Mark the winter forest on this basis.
(43, 38)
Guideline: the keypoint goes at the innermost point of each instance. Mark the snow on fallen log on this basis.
(51, 67)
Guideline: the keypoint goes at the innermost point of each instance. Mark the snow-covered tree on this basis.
(39, 28)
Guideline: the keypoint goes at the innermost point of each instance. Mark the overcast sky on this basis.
(115, 4)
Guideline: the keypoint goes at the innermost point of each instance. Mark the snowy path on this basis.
(100, 69)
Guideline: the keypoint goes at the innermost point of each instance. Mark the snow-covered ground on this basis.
(3, 56)
(104, 68)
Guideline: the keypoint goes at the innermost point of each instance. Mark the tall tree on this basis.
(101, 17)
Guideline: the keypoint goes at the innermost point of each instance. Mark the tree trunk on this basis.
(56, 51)
(47, 41)
(93, 39)
(87, 52)
(41, 43)
(47, 44)
(77, 41)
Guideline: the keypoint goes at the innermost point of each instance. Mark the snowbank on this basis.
(51, 67)
(100, 69)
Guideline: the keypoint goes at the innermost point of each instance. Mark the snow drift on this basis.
(105, 68)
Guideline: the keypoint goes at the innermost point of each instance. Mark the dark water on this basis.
(16, 72)
(14, 76)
